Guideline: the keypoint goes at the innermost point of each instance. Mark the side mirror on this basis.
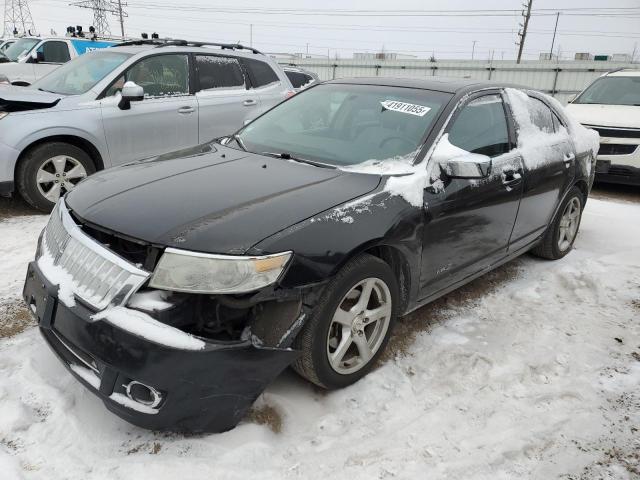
(35, 57)
(470, 166)
(131, 92)
(456, 162)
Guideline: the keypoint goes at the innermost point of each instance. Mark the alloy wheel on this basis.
(359, 326)
(58, 175)
(569, 223)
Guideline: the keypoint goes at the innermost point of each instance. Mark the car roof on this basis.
(440, 84)
(158, 48)
(626, 72)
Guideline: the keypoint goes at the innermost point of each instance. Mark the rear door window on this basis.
(218, 72)
(260, 73)
(541, 115)
(481, 127)
(54, 52)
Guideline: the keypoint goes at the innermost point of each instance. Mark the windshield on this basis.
(612, 91)
(21, 48)
(81, 74)
(340, 124)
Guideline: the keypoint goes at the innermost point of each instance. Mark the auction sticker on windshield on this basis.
(402, 107)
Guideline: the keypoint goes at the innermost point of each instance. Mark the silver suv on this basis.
(125, 103)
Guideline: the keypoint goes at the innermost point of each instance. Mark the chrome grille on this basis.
(99, 276)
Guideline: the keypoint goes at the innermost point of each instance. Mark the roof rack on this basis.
(165, 42)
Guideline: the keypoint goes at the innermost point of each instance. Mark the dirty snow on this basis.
(139, 323)
(537, 378)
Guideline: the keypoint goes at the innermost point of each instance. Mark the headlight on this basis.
(185, 271)
(3, 114)
(4, 80)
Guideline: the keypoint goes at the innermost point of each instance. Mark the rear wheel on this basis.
(48, 171)
(562, 232)
(350, 325)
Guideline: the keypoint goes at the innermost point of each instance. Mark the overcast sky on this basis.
(343, 30)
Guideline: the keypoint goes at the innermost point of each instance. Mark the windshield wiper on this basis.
(288, 156)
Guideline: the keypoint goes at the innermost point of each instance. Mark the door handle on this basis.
(568, 158)
(186, 110)
(248, 103)
(511, 178)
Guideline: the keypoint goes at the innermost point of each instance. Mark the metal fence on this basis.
(559, 79)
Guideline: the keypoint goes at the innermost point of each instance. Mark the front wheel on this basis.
(562, 232)
(48, 171)
(350, 325)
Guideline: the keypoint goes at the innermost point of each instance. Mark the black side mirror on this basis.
(131, 92)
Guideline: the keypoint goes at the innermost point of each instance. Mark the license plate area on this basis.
(38, 297)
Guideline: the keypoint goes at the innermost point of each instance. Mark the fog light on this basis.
(144, 394)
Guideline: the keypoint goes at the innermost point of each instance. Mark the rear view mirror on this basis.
(131, 92)
(471, 165)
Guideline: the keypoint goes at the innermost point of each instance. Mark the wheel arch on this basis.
(394, 257)
(74, 140)
(584, 188)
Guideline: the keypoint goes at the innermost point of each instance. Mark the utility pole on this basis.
(307, 49)
(473, 48)
(523, 34)
(251, 34)
(553, 40)
(17, 18)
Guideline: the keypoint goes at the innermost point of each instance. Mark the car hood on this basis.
(211, 198)
(623, 116)
(15, 99)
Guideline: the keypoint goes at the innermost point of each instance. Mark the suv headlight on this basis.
(3, 114)
(184, 271)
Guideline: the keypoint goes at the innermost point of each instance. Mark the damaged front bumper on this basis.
(207, 388)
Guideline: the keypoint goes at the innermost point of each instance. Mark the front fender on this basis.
(49, 132)
(323, 243)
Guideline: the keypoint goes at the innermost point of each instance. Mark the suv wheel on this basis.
(351, 324)
(562, 232)
(50, 170)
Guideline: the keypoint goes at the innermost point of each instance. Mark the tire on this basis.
(322, 336)
(552, 246)
(55, 159)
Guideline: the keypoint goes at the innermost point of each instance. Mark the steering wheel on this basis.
(408, 142)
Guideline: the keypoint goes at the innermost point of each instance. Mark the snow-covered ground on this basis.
(531, 372)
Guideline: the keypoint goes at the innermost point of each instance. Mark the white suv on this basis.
(30, 58)
(611, 105)
(125, 103)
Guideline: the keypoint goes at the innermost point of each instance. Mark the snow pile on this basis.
(537, 377)
(18, 240)
(585, 139)
(538, 147)
(139, 323)
(150, 300)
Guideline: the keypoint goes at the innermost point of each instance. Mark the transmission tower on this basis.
(100, 9)
(17, 18)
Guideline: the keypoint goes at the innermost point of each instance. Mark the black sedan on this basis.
(177, 288)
